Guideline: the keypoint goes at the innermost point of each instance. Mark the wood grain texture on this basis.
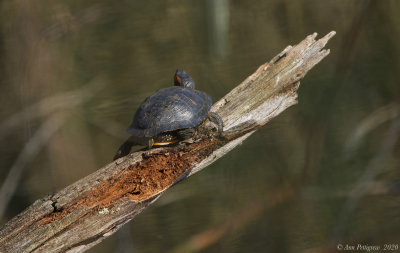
(93, 208)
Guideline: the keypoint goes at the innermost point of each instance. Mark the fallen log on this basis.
(93, 208)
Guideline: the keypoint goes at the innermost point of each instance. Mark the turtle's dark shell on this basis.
(170, 109)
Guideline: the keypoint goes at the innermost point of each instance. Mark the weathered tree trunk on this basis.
(86, 212)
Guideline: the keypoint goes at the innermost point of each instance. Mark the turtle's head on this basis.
(181, 78)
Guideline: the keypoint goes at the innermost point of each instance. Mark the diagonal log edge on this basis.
(84, 213)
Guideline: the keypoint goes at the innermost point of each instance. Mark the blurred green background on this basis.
(326, 171)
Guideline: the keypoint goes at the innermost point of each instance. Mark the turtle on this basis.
(170, 115)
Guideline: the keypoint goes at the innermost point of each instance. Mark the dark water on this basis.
(323, 173)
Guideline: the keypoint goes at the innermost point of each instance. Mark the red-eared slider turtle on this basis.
(170, 115)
